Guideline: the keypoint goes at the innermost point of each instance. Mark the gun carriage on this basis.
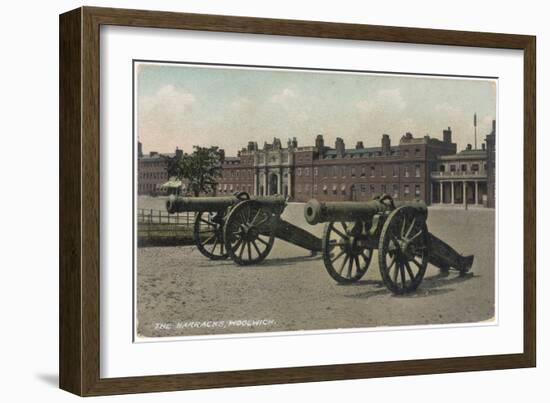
(399, 233)
(241, 227)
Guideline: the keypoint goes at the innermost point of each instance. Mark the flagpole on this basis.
(475, 131)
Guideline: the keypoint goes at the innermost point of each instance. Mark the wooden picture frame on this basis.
(79, 346)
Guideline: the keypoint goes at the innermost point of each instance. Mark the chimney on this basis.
(386, 144)
(340, 146)
(319, 142)
(447, 135)
(153, 153)
(179, 153)
(469, 147)
(294, 142)
(359, 145)
(483, 146)
(494, 127)
(140, 149)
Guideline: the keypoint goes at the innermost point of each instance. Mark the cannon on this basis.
(241, 227)
(209, 220)
(399, 233)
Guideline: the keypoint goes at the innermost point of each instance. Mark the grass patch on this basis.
(164, 235)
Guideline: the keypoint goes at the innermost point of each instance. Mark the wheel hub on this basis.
(248, 233)
(405, 249)
(352, 246)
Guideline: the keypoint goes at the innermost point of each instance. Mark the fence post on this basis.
(150, 224)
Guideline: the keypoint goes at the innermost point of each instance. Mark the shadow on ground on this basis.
(287, 261)
(430, 286)
(268, 262)
(49, 379)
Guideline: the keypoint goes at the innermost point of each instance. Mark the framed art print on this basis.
(251, 201)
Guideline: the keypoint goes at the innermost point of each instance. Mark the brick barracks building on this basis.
(152, 171)
(417, 168)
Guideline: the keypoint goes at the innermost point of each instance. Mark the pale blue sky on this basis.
(183, 105)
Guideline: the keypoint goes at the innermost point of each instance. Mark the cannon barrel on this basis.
(196, 204)
(218, 203)
(318, 212)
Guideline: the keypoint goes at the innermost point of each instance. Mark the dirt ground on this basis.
(181, 293)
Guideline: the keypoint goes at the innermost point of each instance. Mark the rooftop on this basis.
(155, 157)
(466, 155)
(361, 152)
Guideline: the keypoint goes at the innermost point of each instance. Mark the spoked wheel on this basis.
(403, 250)
(249, 233)
(208, 234)
(345, 252)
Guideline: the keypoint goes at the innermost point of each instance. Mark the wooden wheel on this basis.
(403, 250)
(208, 235)
(249, 233)
(345, 252)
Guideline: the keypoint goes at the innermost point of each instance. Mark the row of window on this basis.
(342, 171)
(150, 165)
(334, 171)
(230, 188)
(153, 175)
(236, 173)
(273, 158)
(373, 189)
(416, 152)
(406, 153)
(462, 167)
(367, 154)
(146, 187)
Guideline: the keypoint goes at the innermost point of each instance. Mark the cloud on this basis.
(487, 120)
(242, 105)
(259, 107)
(167, 100)
(284, 96)
(385, 111)
(164, 115)
(446, 114)
(449, 110)
(386, 100)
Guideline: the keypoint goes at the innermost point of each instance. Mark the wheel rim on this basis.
(248, 233)
(208, 234)
(345, 252)
(403, 250)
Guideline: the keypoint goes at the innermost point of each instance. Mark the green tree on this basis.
(201, 168)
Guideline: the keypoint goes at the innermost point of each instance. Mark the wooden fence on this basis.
(151, 216)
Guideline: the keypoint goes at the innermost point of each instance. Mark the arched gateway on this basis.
(273, 184)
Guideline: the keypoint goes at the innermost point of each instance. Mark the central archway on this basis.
(353, 193)
(273, 184)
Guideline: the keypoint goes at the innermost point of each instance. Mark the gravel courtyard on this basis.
(180, 292)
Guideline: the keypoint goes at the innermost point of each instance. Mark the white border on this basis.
(121, 357)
